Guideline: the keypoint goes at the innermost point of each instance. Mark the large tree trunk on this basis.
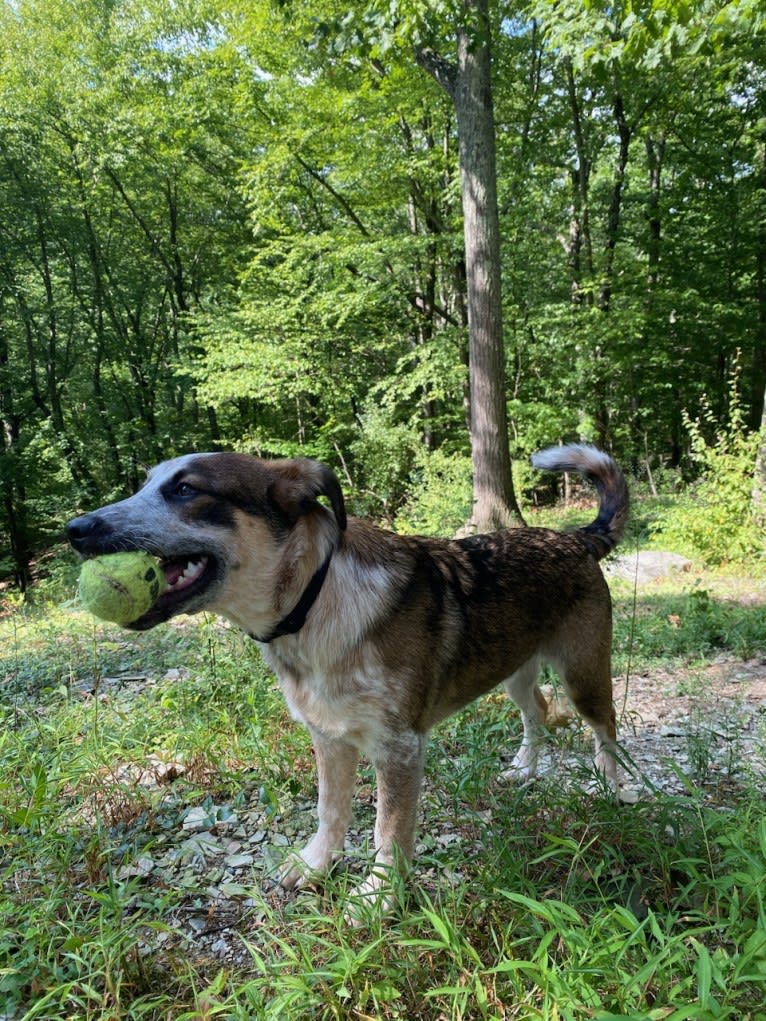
(468, 83)
(759, 477)
(13, 513)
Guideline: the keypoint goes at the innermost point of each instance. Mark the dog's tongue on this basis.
(180, 573)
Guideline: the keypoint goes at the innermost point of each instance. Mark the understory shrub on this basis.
(438, 499)
(713, 520)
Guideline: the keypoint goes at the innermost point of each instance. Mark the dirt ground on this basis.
(706, 722)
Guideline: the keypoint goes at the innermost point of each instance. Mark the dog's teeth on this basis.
(190, 573)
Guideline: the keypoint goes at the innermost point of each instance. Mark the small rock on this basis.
(140, 867)
(235, 891)
(629, 796)
(238, 861)
(202, 844)
(674, 731)
(445, 839)
(196, 819)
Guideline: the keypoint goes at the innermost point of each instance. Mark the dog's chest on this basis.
(350, 706)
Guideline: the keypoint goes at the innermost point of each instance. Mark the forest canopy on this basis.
(238, 224)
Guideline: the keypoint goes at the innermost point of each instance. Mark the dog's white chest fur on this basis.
(349, 708)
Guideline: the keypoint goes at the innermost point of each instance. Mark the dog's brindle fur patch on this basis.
(404, 630)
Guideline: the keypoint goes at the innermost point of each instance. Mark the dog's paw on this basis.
(521, 770)
(516, 777)
(372, 899)
(303, 867)
(294, 873)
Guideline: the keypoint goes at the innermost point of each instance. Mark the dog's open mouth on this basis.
(182, 573)
(187, 578)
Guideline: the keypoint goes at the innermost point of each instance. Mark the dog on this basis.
(376, 637)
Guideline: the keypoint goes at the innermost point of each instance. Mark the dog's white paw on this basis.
(522, 769)
(294, 872)
(517, 777)
(371, 900)
(301, 867)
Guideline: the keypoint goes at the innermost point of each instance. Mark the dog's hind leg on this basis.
(523, 689)
(597, 709)
(336, 763)
(585, 667)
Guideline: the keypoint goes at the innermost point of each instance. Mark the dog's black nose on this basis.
(84, 530)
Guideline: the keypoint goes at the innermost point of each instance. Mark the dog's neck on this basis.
(296, 618)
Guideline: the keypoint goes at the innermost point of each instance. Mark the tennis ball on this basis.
(121, 587)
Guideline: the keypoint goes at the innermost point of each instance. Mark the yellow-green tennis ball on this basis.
(121, 587)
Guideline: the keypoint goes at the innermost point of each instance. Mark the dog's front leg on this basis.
(336, 764)
(399, 769)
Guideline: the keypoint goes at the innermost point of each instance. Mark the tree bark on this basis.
(759, 476)
(13, 515)
(468, 83)
(614, 212)
(759, 353)
(580, 243)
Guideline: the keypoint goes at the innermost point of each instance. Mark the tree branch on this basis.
(441, 70)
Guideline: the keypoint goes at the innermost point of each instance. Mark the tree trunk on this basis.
(580, 243)
(759, 352)
(614, 212)
(13, 513)
(759, 477)
(655, 153)
(468, 84)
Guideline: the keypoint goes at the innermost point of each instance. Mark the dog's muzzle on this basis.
(89, 534)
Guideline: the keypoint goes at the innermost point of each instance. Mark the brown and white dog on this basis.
(376, 637)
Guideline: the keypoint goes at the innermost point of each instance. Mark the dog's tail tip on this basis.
(577, 457)
(603, 534)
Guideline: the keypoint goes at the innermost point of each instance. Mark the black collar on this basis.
(296, 618)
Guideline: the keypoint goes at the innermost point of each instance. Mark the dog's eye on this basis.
(184, 490)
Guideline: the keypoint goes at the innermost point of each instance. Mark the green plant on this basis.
(714, 520)
(438, 499)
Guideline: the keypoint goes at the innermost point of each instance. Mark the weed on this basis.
(715, 521)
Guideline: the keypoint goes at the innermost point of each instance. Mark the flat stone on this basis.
(197, 819)
(140, 867)
(238, 861)
(203, 844)
(644, 566)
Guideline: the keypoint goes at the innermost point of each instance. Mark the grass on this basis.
(541, 903)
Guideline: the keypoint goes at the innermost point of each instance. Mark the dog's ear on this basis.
(300, 482)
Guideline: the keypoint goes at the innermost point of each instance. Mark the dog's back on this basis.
(463, 615)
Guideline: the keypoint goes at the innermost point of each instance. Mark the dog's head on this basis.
(221, 525)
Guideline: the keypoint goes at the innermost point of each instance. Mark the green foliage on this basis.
(386, 451)
(686, 627)
(714, 519)
(439, 494)
(239, 226)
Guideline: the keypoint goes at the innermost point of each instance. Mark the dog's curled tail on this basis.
(603, 534)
